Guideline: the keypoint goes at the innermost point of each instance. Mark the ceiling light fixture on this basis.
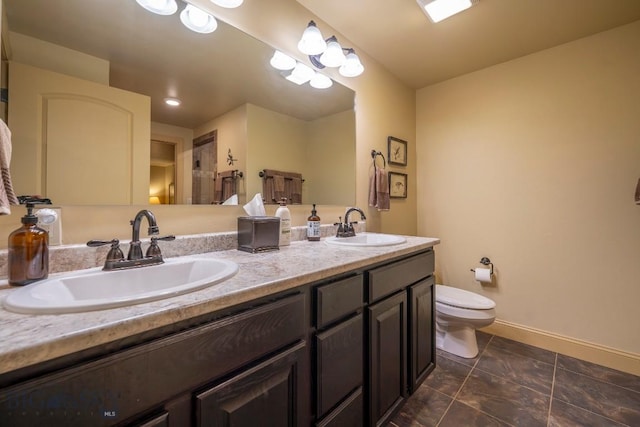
(173, 102)
(161, 7)
(328, 53)
(438, 10)
(198, 20)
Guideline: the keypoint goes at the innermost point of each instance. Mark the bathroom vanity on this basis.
(309, 335)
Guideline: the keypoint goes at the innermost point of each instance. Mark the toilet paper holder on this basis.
(486, 261)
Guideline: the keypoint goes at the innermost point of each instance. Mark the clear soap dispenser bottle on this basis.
(28, 251)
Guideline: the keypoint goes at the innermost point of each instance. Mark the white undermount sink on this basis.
(367, 240)
(96, 289)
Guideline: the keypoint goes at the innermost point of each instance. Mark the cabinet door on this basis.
(421, 327)
(339, 358)
(387, 379)
(269, 395)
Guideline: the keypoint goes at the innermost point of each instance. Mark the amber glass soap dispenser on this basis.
(28, 251)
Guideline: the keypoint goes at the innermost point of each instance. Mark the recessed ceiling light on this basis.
(438, 10)
(174, 102)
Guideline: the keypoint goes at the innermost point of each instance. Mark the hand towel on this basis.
(379, 190)
(7, 195)
(224, 186)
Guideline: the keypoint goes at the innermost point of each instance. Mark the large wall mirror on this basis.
(87, 83)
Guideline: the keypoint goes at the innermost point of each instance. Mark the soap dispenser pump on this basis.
(28, 253)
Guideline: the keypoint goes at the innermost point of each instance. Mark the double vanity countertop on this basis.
(30, 339)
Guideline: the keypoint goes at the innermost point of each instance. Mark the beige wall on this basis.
(182, 138)
(533, 163)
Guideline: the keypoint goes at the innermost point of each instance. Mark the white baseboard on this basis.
(583, 350)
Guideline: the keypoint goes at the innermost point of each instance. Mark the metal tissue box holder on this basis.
(258, 233)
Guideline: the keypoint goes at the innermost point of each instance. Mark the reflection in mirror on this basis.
(87, 83)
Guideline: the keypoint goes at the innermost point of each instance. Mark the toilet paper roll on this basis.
(483, 275)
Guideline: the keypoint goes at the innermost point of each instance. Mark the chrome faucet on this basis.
(346, 229)
(115, 258)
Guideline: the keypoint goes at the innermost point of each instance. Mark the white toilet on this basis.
(458, 314)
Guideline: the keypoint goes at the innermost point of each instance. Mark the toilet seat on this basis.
(454, 297)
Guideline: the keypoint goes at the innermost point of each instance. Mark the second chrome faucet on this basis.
(115, 258)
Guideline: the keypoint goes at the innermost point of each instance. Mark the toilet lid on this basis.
(461, 298)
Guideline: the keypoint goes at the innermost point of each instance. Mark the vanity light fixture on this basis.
(161, 7)
(320, 81)
(438, 10)
(301, 74)
(229, 4)
(198, 20)
(282, 62)
(328, 53)
(173, 102)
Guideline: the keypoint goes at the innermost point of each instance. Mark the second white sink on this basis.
(367, 240)
(96, 289)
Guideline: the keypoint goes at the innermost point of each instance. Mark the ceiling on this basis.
(217, 73)
(398, 35)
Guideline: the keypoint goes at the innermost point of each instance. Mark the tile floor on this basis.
(514, 384)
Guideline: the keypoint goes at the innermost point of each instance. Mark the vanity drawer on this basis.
(388, 279)
(338, 299)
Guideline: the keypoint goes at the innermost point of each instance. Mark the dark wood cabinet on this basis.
(339, 353)
(421, 335)
(401, 340)
(387, 378)
(267, 395)
(343, 352)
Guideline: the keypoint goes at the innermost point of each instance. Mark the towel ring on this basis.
(375, 154)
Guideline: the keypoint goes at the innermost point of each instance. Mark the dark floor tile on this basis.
(501, 360)
(526, 350)
(460, 414)
(563, 415)
(483, 340)
(423, 409)
(505, 400)
(600, 397)
(621, 379)
(448, 376)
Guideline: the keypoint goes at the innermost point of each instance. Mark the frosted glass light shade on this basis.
(281, 61)
(352, 67)
(301, 74)
(438, 10)
(320, 81)
(198, 20)
(333, 56)
(161, 7)
(229, 4)
(312, 42)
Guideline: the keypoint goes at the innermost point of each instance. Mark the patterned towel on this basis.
(7, 196)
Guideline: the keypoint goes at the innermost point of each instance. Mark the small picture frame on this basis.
(397, 151)
(397, 185)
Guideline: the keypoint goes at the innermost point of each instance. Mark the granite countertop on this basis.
(29, 339)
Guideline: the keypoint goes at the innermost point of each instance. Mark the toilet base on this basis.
(458, 340)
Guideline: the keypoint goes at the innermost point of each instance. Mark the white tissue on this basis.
(483, 275)
(255, 207)
(233, 200)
